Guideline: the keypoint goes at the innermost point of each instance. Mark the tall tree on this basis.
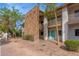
(52, 7)
(4, 16)
(15, 16)
(9, 18)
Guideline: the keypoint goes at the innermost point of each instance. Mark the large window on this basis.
(76, 32)
(77, 13)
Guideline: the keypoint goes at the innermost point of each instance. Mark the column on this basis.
(45, 28)
(64, 24)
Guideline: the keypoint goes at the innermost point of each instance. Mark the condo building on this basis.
(41, 28)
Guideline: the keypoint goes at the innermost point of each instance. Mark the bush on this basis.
(28, 37)
(18, 33)
(72, 45)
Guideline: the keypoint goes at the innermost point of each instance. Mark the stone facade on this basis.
(31, 26)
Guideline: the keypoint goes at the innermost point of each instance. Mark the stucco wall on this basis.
(64, 24)
(74, 21)
(71, 32)
(71, 13)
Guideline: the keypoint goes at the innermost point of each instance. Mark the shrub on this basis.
(28, 37)
(72, 45)
(18, 33)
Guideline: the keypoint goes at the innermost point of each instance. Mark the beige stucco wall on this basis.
(71, 13)
(73, 21)
(71, 31)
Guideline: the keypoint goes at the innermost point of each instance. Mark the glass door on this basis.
(51, 35)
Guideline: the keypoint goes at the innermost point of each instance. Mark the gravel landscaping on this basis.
(19, 47)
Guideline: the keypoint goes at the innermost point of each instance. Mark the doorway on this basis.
(51, 35)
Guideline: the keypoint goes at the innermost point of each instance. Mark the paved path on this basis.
(18, 47)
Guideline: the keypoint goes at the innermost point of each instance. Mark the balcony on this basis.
(52, 23)
(73, 19)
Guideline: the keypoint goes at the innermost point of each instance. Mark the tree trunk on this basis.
(56, 26)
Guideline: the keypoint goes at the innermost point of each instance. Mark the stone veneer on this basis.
(31, 25)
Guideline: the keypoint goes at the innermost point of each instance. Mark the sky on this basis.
(23, 7)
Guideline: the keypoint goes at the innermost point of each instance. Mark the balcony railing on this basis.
(71, 17)
(53, 22)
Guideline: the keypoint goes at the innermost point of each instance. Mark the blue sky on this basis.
(23, 7)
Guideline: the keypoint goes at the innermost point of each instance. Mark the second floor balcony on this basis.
(73, 18)
(52, 23)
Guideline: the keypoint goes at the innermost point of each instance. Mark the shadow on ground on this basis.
(64, 48)
(3, 42)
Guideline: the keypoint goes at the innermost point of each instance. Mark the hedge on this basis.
(28, 37)
(72, 45)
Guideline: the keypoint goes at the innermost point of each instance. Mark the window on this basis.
(60, 32)
(76, 32)
(77, 13)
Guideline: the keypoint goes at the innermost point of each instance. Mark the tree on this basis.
(15, 16)
(52, 6)
(9, 18)
(4, 16)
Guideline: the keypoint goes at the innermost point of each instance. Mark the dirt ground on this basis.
(19, 47)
